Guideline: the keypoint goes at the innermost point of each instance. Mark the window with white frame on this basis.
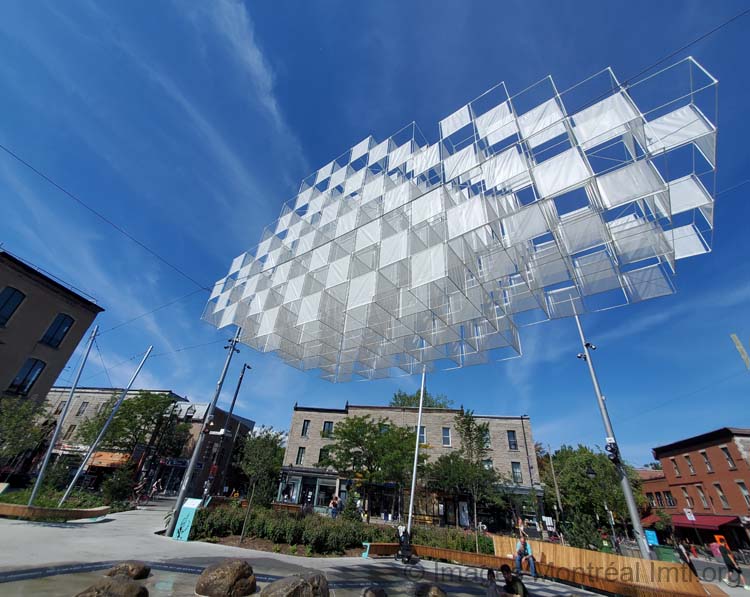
(689, 461)
(728, 456)
(722, 496)
(707, 462)
(447, 437)
(745, 492)
(702, 496)
(686, 495)
(516, 471)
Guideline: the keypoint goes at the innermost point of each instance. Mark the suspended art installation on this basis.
(530, 207)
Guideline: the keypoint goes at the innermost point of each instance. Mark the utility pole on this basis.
(186, 480)
(61, 420)
(416, 454)
(613, 451)
(554, 479)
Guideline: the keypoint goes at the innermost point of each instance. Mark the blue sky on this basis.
(189, 123)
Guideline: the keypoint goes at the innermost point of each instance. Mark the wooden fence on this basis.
(39, 513)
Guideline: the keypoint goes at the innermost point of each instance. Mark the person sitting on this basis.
(513, 584)
(492, 590)
(524, 554)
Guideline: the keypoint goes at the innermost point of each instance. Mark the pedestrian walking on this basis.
(333, 506)
(684, 552)
(732, 566)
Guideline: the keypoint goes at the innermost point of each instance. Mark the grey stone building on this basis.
(304, 480)
(42, 320)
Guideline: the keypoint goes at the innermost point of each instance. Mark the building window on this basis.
(512, 441)
(487, 439)
(10, 298)
(447, 437)
(651, 500)
(26, 377)
(60, 406)
(422, 434)
(702, 496)
(728, 456)
(82, 409)
(323, 455)
(327, 428)
(745, 492)
(56, 333)
(707, 462)
(691, 468)
(676, 468)
(305, 427)
(671, 503)
(69, 432)
(487, 464)
(659, 499)
(516, 469)
(300, 456)
(688, 499)
(722, 497)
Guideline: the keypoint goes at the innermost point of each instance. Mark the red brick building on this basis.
(708, 474)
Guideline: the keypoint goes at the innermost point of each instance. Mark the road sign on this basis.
(689, 514)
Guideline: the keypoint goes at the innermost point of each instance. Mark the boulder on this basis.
(292, 586)
(428, 590)
(119, 586)
(318, 582)
(374, 592)
(230, 578)
(131, 568)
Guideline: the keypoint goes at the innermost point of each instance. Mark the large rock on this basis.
(428, 590)
(292, 586)
(374, 592)
(131, 568)
(318, 582)
(119, 586)
(230, 578)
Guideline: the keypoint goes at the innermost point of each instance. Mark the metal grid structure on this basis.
(540, 205)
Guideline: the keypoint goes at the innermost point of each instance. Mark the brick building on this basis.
(303, 480)
(709, 475)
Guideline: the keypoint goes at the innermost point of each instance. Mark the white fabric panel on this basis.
(502, 133)
(294, 289)
(373, 189)
(562, 172)
(264, 246)
(503, 167)
(216, 291)
(294, 232)
(685, 241)
(394, 248)
(268, 321)
(338, 272)
(360, 149)
(320, 256)
(227, 317)
(329, 213)
(603, 121)
(378, 152)
(634, 181)
(258, 302)
(525, 225)
(647, 283)
(400, 155)
(339, 176)
(427, 206)
(428, 266)
(324, 173)
(303, 198)
(283, 222)
(361, 291)
(687, 193)
(399, 196)
(459, 119)
(460, 162)
(305, 243)
(493, 120)
(368, 235)
(635, 238)
(596, 273)
(354, 181)
(237, 263)
(316, 203)
(347, 222)
(281, 274)
(466, 217)
(582, 229)
(425, 159)
(308, 309)
(676, 128)
(542, 123)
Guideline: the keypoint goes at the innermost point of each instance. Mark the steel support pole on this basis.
(99, 437)
(627, 490)
(186, 480)
(416, 453)
(554, 479)
(61, 420)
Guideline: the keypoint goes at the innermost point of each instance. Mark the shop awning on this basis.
(650, 520)
(703, 521)
(109, 459)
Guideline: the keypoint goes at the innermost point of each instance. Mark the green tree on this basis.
(480, 476)
(261, 460)
(134, 424)
(371, 451)
(402, 399)
(21, 427)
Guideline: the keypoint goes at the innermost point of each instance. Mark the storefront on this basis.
(307, 486)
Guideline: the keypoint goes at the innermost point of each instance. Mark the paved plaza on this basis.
(61, 559)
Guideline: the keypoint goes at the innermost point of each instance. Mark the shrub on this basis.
(118, 487)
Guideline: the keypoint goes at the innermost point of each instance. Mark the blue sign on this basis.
(651, 537)
(185, 521)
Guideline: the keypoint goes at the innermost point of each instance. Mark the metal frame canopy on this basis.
(529, 207)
